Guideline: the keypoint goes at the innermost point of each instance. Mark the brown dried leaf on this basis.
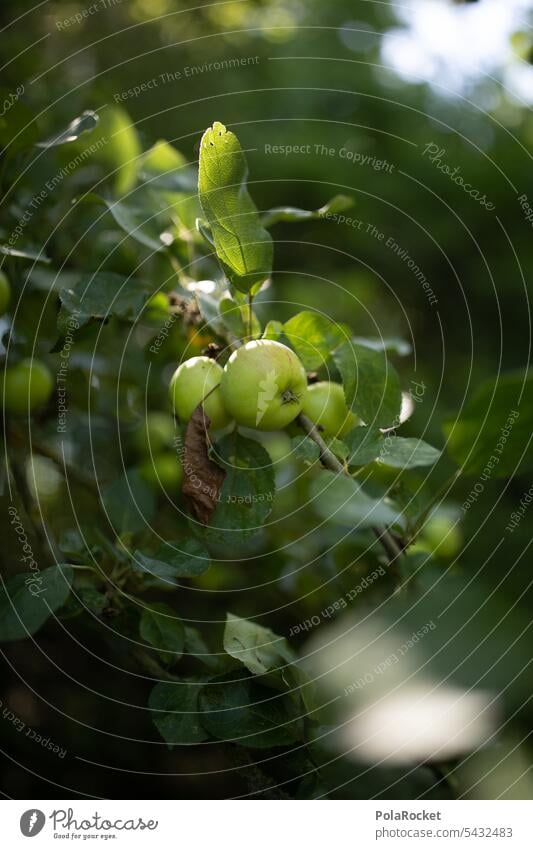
(203, 479)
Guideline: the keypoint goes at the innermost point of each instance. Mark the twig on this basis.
(328, 459)
(250, 314)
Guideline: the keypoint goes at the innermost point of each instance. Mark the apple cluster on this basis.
(262, 386)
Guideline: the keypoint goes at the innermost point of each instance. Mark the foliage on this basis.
(208, 597)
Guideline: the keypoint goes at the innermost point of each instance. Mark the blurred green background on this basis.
(347, 97)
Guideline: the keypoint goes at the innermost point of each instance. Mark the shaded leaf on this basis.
(84, 123)
(238, 709)
(259, 649)
(235, 317)
(401, 453)
(495, 428)
(341, 500)
(247, 496)
(140, 217)
(392, 345)
(98, 296)
(292, 214)
(129, 503)
(305, 449)
(364, 445)
(162, 629)
(175, 711)
(371, 384)
(25, 253)
(164, 167)
(28, 599)
(172, 561)
(314, 337)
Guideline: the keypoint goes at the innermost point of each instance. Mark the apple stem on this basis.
(328, 459)
(250, 303)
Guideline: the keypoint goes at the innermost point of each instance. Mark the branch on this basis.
(328, 459)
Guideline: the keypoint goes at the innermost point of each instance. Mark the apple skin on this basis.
(5, 293)
(27, 386)
(162, 470)
(325, 404)
(191, 382)
(156, 434)
(263, 385)
(442, 536)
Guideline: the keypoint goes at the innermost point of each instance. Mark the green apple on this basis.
(162, 470)
(325, 404)
(263, 385)
(155, 434)
(442, 535)
(192, 382)
(5, 292)
(27, 386)
(156, 307)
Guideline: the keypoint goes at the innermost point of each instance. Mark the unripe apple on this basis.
(162, 471)
(5, 292)
(442, 535)
(325, 404)
(27, 386)
(156, 307)
(156, 433)
(263, 385)
(192, 382)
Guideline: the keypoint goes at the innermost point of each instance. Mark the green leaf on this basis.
(364, 445)
(492, 435)
(18, 126)
(400, 453)
(237, 709)
(129, 503)
(305, 449)
(175, 711)
(84, 123)
(172, 561)
(160, 627)
(341, 500)
(164, 167)
(259, 649)
(392, 345)
(140, 217)
(371, 384)
(273, 330)
(28, 599)
(313, 337)
(208, 306)
(247, 495)
(243, 246)
(235, 318)
(292, 214)
(173, 181)
(98, 296)
(22, 253)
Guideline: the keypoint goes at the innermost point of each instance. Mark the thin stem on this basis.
(250, 314)
(328, 459)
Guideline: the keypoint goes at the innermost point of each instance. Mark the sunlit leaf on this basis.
(243, 246)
